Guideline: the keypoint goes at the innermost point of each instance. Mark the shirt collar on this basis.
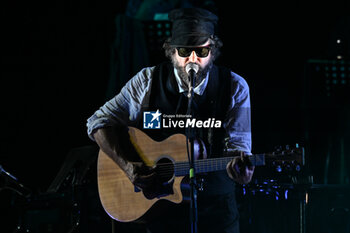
(183, 86)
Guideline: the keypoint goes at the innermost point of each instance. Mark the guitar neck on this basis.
(214, 164)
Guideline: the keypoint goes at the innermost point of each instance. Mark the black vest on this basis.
(214, 103)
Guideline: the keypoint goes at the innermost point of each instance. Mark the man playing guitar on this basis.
(220, 94)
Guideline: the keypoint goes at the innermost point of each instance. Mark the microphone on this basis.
(191, 70)
(12, 183)
(7, 174)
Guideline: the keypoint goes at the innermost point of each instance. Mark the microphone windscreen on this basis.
(192, 66)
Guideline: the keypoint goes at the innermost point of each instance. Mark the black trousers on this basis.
(216, 214)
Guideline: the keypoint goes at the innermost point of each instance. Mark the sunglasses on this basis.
(200, 51)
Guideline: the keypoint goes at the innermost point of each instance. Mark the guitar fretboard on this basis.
(214, 164)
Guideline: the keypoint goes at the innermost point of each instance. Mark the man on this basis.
(220, 94)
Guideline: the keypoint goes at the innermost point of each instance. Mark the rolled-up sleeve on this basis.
(238, 121)
(125, 108)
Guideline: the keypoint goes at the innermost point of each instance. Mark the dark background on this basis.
(56, 67)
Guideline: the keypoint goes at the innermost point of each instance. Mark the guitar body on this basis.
(118, 195)
(124, 203)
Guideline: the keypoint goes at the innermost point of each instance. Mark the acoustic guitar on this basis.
(124, 202)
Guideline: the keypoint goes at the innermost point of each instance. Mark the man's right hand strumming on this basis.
(116, 144)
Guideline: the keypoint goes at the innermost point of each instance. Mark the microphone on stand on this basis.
(191, 70)
(11, 182)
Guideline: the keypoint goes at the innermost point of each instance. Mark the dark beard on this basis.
(201, 74)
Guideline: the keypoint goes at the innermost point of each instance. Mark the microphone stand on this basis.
(190, 133)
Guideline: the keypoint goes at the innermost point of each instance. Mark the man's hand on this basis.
(142, 176)
(116, 144)
(240, 169)
(146, 179)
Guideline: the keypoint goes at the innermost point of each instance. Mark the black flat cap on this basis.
(191, 26)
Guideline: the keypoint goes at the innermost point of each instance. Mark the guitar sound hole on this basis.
(165, 170)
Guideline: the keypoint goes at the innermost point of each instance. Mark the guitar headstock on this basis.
(287, 158)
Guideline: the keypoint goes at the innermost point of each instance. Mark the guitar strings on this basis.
(183, 168)
(206, 165)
